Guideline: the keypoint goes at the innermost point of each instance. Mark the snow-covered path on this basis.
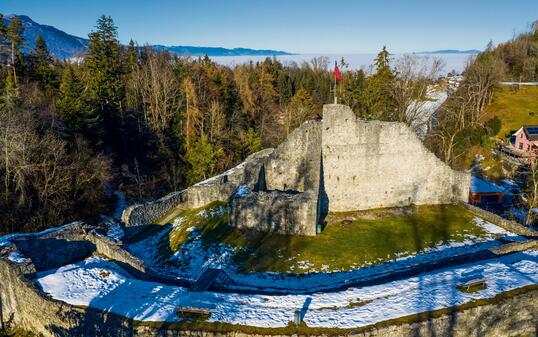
(102, 284)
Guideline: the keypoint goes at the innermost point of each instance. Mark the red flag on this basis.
(337, 73)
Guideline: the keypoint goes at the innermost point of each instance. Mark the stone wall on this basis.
(57, 248)
(382, 164)
(278, 212)
(514, 315)
(285, 199)
(295, 164)
(509, 225)
(218, 188)
(343, 163)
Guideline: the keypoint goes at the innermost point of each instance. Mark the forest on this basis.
(144, 122)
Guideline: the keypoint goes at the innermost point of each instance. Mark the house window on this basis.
(521, 146)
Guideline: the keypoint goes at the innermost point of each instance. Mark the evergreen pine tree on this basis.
(41, 65)
(104, 75)
(203, 159)
(77, 114)
(131, 57)
(248, 142)
(378, 99)
(3, 42)
(9, 99)
(14, 33)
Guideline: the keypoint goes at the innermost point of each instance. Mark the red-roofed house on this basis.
(526, 139)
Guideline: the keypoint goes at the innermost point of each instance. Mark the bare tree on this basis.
(415, 96)
(217, 120)
(531, 193)
(158, 89)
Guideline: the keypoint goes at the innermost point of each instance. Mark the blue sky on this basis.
(301, 26)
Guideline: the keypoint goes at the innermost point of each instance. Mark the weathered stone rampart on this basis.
(218, 188)
(285, 199)
(276, 212)
(509, 225)
(373, 164)
(511, 315)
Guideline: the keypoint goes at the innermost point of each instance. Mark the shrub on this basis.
(493, 126)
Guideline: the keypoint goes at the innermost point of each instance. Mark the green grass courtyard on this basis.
(348, 241)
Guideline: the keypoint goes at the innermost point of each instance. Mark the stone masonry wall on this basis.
(283, 213)
(33, 310)
(218, 188)
(347, 163)
(295, 163)
(382, 164)
(285, 200)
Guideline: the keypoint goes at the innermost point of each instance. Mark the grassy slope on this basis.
(371, 239)
(514, 108)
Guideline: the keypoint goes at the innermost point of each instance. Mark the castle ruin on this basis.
(338, 164)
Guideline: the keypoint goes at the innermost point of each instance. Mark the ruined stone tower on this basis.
(344, 164)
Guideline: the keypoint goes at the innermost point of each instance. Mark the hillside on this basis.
(514, 108)
(60, 44)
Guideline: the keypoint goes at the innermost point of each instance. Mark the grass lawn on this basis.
(349, 240)
(514, 108)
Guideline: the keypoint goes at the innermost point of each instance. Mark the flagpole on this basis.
(334, 90)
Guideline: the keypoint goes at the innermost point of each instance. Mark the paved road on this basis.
(520, 83)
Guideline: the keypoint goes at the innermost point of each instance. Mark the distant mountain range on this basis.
(218, 51)
(64, 46)
(451, 51)
(60, 44)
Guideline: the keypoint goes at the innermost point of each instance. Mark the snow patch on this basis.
(115, 232)
(17, 257)
(242, 191)
(121, 205)
(102, 284)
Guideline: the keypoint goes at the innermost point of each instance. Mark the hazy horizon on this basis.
(302, 27)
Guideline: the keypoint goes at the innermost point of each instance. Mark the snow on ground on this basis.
(420, 114)
(215, 178)
(102, 284)
(242, 191)
(121, 204)
(115, 232)
(194, 257)
(17, 257)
